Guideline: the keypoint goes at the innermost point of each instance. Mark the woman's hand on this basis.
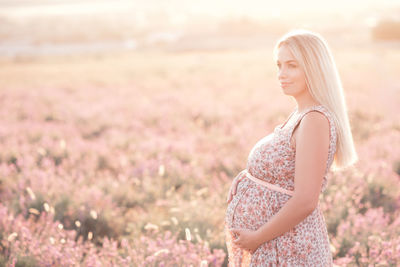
(232, 190)
(246, 239)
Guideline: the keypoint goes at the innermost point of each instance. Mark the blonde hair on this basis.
(322, 78)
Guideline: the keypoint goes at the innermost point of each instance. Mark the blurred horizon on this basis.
(38, 27)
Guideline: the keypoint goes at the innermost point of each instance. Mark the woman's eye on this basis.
(292, 66)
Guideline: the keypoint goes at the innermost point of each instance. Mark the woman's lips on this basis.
(285, 84)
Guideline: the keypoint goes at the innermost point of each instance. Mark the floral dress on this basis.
(272, 161)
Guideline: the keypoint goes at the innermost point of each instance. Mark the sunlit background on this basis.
(123, 123)
(61, 26)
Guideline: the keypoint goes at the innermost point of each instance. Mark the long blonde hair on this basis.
(322, 78)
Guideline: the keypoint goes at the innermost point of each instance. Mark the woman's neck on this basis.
(305, 101)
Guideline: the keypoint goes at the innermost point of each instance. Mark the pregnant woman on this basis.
(273, 216)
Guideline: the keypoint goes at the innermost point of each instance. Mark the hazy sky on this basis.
(260, 7)
(182, 10)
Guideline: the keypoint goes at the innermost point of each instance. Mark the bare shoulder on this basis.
(314, 125)
(315, 119)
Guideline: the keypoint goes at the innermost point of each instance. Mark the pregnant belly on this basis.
(251, 206)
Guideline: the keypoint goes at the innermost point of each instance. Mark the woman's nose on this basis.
(281, 73)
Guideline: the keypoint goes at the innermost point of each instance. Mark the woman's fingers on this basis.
(229, 198)
(237, 180)
(233, 188)
(231, 193)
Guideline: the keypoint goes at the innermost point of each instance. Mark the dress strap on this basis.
(287, 120)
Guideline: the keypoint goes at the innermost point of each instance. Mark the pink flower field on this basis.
(125, 159)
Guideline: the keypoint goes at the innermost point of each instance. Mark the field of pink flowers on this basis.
(126, 159)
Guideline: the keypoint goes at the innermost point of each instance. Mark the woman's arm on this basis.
(312, 145)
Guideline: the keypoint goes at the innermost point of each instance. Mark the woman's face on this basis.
(290, 75)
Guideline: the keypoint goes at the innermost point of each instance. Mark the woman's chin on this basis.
(285, 91)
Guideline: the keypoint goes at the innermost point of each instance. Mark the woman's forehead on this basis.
(285, 55)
